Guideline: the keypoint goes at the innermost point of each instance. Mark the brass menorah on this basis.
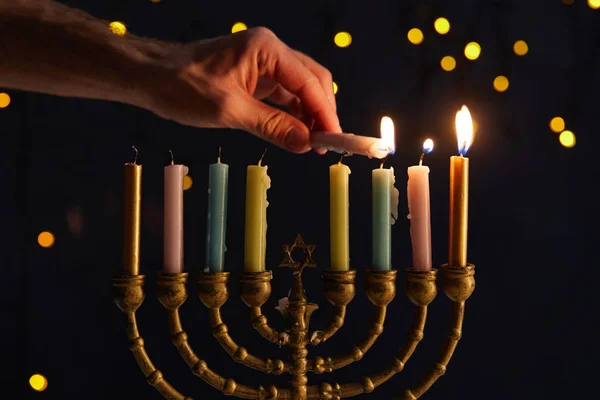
(458, 283)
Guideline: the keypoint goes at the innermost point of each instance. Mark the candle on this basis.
(257, 183)
(419, 211)
(338, 217)
(459, 191)
(349, 143)
(218, 178)
(385, 205)
(132, 193)
(173, 218)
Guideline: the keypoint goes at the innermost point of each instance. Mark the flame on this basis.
(427, 146)
(464, 130)
(387, 135)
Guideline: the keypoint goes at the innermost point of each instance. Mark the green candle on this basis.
(218, 179)
(385, 212)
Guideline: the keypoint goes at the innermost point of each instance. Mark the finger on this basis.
(322, 74)
(279, 64)
(271, 124)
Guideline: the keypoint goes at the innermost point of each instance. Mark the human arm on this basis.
(49, 48)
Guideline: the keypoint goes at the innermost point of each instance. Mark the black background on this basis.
(531, 325)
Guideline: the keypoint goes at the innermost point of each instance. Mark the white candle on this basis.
(352, 144)
(419, 212)
(173, 218)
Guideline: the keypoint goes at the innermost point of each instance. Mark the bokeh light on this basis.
(501, 83)
(442, 25)
(38, 382)
(118, 28)
(342, 39)
(595, 4)
(472, 50)
(46, 239)
(4, 100)
(155, 1)
(415, 36)
(567, 139)
(448, 63)
(520, 47)
(335, 88)
(238, 27)
(187, 182)
(557, 124)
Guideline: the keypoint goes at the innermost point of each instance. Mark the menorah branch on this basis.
(420, 288)
(255, 291)
(172, 294)
(129, 296)
(458, 285)
(339, 291)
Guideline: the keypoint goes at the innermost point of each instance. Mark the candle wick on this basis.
(136, 154)
(421, 158)
(344, 154)
(383, 161)
(261, 157)
(219, 156)
(172, 158)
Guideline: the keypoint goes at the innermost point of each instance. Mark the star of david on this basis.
(288, 260)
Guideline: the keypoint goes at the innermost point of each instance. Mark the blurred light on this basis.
(187, 182)
(567, 139)
(415, 36)
(118, 28)
(472, 50)
(464, 130)
(155, 1)
(387, 134)
(557, 124)
(595, 4)
(520, 48)
(342, 39)
(448, 63)
(4, 100)
(335, 88)
(38, 382)
(46, 239)
(442, 26)
(238, 27)
(427, 146)
(501, 83)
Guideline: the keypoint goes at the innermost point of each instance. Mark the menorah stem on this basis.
(261, 324)
(129, 296)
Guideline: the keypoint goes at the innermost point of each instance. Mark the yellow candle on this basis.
(257, 183)
(132, 194)
(459, 192)
(338, 217)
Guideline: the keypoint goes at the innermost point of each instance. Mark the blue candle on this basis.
(218, 179)
(385, 212)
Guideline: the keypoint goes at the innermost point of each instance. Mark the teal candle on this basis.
(385, 213)
(218, 179)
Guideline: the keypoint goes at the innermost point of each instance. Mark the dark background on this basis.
(531, 326)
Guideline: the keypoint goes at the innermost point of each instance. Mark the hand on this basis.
(220, 82)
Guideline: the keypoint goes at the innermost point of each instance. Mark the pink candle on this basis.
(173, 218)
(419, 212)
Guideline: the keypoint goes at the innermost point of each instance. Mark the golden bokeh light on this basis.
(342, 39)
(595, 4)
(448, 63)
(46, 239)
(501, 83)
(155, 1)
(238, 27)
(4, 100)
(415, 36)
(118, 28)
(520, 47)
(442, 25)
(567, 139)
(472, 50)
(557, 124)
(335, 88)
(38, 382)
(187, 182)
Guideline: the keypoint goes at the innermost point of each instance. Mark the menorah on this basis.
(339, 286)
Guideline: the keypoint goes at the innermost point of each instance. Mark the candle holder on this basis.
(339, 288)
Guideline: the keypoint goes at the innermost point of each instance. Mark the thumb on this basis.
(273, 125)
